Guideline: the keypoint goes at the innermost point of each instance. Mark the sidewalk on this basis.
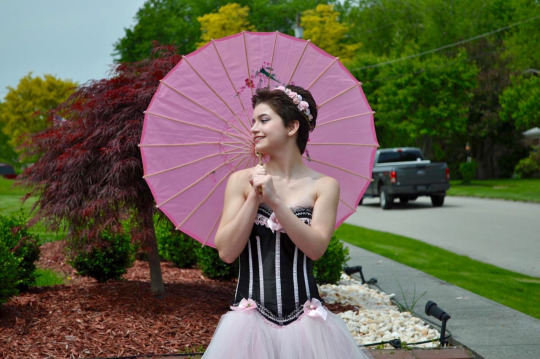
(488, 329)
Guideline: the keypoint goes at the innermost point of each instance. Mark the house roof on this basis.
(533, 132)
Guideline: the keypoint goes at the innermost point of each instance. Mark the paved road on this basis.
(503, 233)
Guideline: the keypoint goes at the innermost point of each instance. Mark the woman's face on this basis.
(268, 129)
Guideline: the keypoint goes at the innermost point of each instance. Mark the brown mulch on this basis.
(85, 319)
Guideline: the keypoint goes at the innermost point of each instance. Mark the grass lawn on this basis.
(511, 289)
(48, 278)
(510, 189)
(10, 203)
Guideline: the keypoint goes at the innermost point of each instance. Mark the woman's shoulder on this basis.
(322, 179)
(239, 180)
(240, 175)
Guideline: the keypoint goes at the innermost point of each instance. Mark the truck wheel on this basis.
(437, 200)
(386, 200)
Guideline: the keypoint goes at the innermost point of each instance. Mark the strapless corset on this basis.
(273, 271)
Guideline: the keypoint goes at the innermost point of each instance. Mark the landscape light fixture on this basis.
(358, 269)
(433, 310)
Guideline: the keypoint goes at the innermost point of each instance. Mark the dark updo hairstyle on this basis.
(284, 106)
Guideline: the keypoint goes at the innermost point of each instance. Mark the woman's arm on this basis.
(237, 217)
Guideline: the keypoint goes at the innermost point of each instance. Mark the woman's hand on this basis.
(263, 185)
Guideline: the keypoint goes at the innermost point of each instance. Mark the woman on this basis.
(278, 219)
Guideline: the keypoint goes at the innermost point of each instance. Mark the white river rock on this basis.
(376, 318)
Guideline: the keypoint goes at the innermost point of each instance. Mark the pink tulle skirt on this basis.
(247, 334)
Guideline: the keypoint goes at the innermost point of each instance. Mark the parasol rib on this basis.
(342, 144)
(346, 204)
(247, 63)
(345, 118)
(322, 73)
(187, 164)
(208, 195)
(298, 62)
(186, 144)
(243, 138)
(232, 83)
(213, 227)
(197, 181)
(339, 168)
(198, 104)
(339, 94)
(215, 93)
(235, 145)
(272, 59)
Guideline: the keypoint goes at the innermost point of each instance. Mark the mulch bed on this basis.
(86, 319)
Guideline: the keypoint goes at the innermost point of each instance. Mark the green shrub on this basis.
(328, 268)
(109, 259)
(24, 246)
(9, 273)
(212, 266)
(174, 245)
(467, 171)
(529, 167)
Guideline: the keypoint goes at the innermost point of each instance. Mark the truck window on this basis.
(399, 156)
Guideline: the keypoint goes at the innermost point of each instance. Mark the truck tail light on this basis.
(447, 174)
(393, 177)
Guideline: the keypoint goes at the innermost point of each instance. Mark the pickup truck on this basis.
(404, 173)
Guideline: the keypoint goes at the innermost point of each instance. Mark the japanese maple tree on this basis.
(89, 175)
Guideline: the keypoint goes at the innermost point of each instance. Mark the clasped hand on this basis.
(262, 184)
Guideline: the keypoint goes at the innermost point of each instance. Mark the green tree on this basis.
(7, 153)
(424, 103)
(26, 108)
(522, 43)
(393, 32)
(322, 26)
(384, 27)
(519, 103)
(230, 19)
(174, 22)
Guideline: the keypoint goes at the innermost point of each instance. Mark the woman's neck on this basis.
(286, 165)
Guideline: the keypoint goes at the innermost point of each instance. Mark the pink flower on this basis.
(303, 105)
(273, 223)
(245, 304)
(315, 309)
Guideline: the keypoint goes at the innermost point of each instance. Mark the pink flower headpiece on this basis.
(303, 106)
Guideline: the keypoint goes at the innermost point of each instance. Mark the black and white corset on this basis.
(274, 272)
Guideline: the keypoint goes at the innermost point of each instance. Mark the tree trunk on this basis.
(427, 144)
(156, 279)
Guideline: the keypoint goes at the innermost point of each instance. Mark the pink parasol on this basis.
(197, 127)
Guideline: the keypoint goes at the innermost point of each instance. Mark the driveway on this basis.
(502, 233)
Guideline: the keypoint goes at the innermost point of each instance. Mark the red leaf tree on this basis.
(89, 172)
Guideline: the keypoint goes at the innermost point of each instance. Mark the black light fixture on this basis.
(433, 310)
(358, 269)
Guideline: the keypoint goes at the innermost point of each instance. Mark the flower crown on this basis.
(303, 106)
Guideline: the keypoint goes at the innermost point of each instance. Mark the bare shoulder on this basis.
(240, 175)
(325, 184)
(324, 180)
(239, 181)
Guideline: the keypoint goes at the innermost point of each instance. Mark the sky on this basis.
(70, 39)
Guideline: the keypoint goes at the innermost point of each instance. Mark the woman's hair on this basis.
(284, 106)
